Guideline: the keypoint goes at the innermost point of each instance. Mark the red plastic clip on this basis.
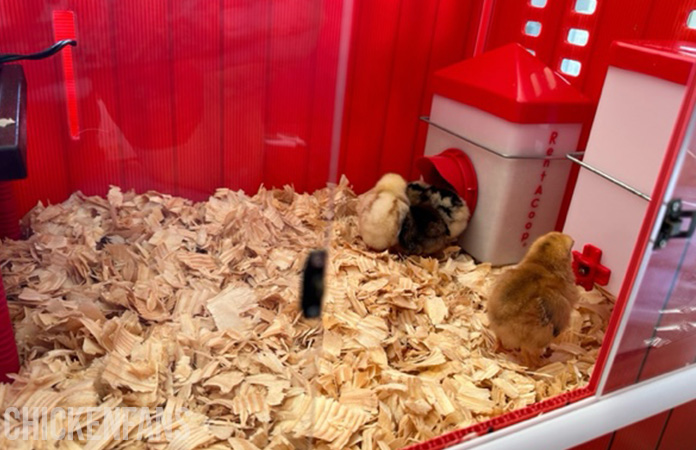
(587, 268)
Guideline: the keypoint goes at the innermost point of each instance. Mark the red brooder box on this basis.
(246, 129)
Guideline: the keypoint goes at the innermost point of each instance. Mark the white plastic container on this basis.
(639, 105)
(525, 119)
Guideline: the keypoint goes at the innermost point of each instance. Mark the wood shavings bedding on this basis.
(154, 301)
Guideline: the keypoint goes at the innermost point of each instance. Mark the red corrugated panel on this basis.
(370, 75)
(94, 158)
(292, 55)
(194, 37)
(144, 79)
(409, 73)
(643, 435)
(600, 443)
(245, 46)
(668, 20)
(449, 45)
(680, 432)
(396, 48)
(324, 95)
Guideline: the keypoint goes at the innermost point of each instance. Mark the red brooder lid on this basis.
(668, 60)
(514, 85)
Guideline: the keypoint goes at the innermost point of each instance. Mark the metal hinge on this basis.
(672, 224)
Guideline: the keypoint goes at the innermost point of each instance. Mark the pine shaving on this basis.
(150, 300)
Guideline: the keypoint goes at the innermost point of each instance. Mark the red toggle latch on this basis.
(587, 268)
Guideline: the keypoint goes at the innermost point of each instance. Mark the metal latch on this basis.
(672, 225)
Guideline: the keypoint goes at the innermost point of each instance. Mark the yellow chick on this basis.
(381, 210)
(531, 304)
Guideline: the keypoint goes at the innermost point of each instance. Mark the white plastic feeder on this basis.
(515, 119)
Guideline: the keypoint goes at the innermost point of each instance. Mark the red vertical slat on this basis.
(409, 73)
(449, 45)
(244, 38)
(507, 23)
(26, 27)
(292, 53)
(369, 79)
(680, 432)
(144, 77)
(195, 35)
(668, 21)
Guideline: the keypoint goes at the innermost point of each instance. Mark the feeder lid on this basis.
(451, 169)
(668, 60)
(514, 85)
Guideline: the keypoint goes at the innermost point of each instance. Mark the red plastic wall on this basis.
(396, 47)
(165, 100)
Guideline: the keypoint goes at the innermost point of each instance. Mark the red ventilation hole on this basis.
(64, 28)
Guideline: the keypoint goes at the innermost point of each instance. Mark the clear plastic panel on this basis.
(209, 102)
(660, 334)
(182, 97)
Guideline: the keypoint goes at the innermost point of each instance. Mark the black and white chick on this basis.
(436, 217)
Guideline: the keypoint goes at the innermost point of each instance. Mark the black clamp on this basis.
(313, 284)
(672, 224)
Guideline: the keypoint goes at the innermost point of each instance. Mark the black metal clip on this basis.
(313, 283)
(672, 225)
